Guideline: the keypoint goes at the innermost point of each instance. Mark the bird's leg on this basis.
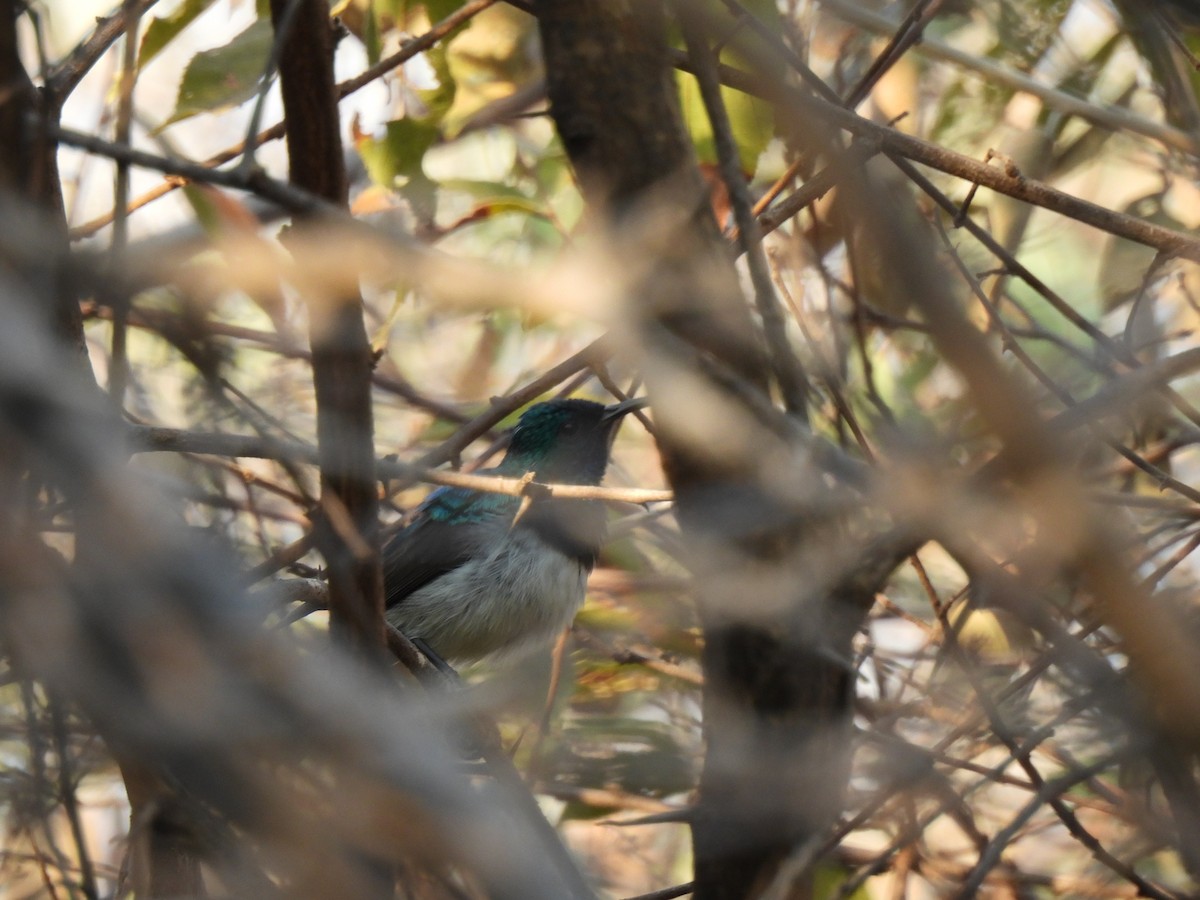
(474, 735)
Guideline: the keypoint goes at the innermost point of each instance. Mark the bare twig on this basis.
(407, 51)
(149, 439)
(65, 77)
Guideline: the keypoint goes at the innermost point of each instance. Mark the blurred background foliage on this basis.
(454, 147)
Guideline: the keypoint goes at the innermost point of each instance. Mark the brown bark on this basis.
(778, 616)
(162, 854)
(29, 186)
(612, 95)
(340, 352)
(163, 859)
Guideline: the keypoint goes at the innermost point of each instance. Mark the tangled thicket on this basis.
(899, 597)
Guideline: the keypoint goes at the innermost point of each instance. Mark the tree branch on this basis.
(340, 350)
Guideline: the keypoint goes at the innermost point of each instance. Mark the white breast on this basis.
(521, 594)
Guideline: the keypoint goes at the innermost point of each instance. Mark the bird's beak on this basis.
(618, 411)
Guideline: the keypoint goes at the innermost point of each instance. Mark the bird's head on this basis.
(565, 441)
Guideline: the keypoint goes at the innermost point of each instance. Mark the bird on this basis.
(477, 574)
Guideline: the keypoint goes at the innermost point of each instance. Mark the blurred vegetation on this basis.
(964, 714)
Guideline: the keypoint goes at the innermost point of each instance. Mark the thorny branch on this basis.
(1008, 509)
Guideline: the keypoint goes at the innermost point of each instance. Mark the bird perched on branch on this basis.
(475, 572)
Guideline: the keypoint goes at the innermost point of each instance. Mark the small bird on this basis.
(475, 573)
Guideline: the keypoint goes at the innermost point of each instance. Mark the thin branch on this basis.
(789, 375)
(163, 323)
(1115, 349)
(594, 353)
(679, 890)
(407, 51)
(70, 801)
(290, 197)
(1166, 240)
(62, 80)
(816, 187)
(1050, 792)
(1011, 183)
(282, 27)
(118, 366)
(1113, 118)
(1065, 814)
(1118, 395)
(151, 439)
(910, 32)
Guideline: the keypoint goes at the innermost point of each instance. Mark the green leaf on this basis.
(225, 77)
(395, 9)
(751, 120)
(828, 878)
(993, 635)
(397, 155)
(439, 9)
(438, 100)
(504, 204)
(163, 29)
(403, 10)
(203, 207)
(484, 191)
(371, 36)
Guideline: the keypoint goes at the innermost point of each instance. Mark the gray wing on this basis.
(452, 526)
